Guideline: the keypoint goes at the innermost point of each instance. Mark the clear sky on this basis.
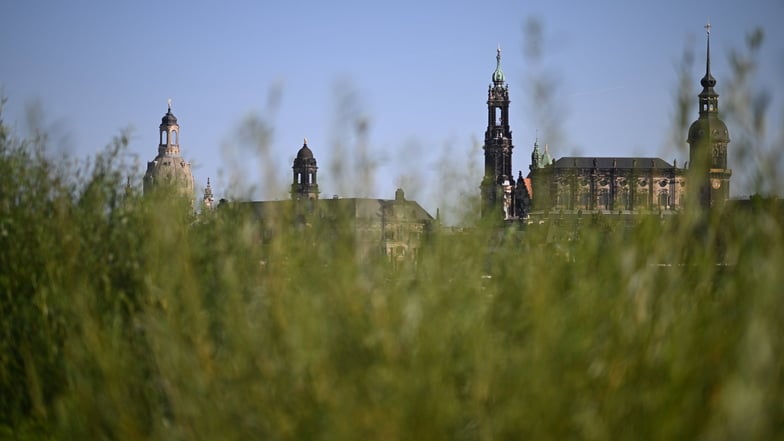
(414, 74)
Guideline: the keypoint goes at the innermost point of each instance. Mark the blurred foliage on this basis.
(129, 318)
(757, 142)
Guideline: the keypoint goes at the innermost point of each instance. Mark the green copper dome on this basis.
(498, 74)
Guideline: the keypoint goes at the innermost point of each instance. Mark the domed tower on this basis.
(708, 138)
(305, 185)
(169, 170)
(498, 147)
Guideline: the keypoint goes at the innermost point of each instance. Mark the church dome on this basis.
(498, 75)
(708, 127)
(173, 172)
(305, 152)
(169, 119)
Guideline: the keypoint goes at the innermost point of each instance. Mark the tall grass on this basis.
(125, 317)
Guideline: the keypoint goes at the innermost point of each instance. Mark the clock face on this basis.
(716, 184)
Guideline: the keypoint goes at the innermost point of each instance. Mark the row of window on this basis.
(603, 200)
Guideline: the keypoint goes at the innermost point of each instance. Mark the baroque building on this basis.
(169, 172)
(619, 184)
(395, 228)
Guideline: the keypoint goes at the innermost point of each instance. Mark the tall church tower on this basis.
(709, 177)
(498, 182)
(305, 185)
(169, 170)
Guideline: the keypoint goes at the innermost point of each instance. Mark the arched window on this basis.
(498, 116)
(625, 200)
(604, 199)
(585, 199)
(641, 198)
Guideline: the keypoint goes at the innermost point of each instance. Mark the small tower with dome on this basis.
(305, 184)
(169, 171)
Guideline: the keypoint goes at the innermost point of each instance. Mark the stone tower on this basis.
(207, 203)
(169, 171)
(709, 177)
(498, 183)
(305, 185)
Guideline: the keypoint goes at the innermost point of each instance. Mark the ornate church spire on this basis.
(708, 139)
(709, 99)
(497, 149)
(498, 74)
(536, 156)
(208, 197)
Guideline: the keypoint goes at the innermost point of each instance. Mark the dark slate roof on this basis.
(624, 163)
(304, 152)
(169, 119)
(364, 209)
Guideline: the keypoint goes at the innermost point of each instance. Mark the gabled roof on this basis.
(621, 162)
(529, 187)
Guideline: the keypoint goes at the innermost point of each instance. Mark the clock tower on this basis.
(709, 177)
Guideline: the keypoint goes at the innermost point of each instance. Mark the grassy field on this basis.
(129, 318)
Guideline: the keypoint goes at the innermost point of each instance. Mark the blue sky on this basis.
(414, 74)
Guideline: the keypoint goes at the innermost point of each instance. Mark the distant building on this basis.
(208, 201)
(607, 184)
(169, 171)
(395, 228)
(621, 184)
(305, 184)
(501, 197)
(708, 139)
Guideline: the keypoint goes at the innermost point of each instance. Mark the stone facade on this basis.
(608, 185)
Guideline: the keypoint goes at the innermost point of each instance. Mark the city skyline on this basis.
(406, 81)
